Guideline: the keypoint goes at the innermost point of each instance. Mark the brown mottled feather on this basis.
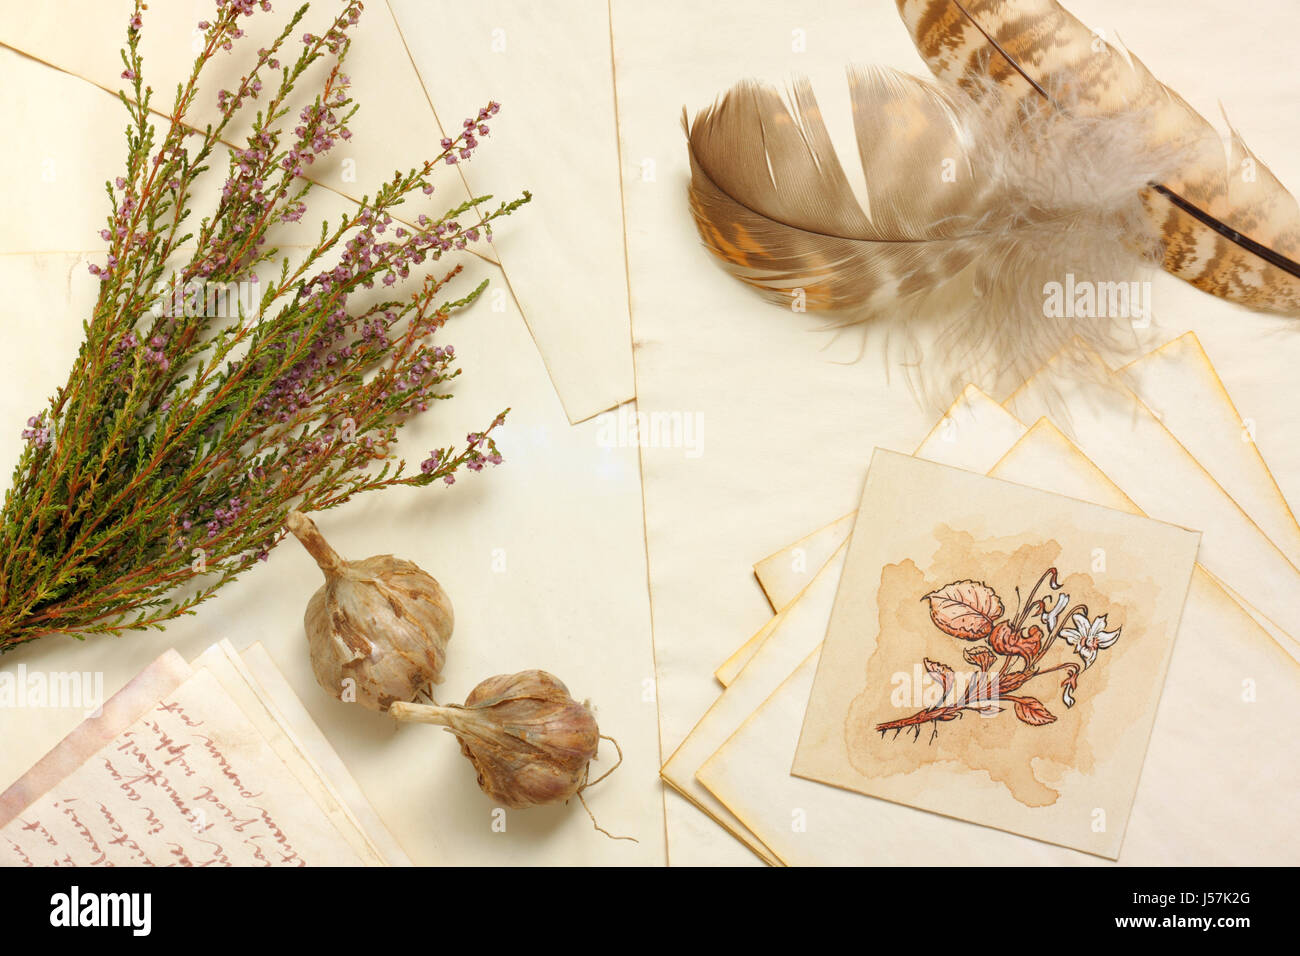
(973, 42)
(967, 193)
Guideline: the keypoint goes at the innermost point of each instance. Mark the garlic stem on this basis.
(457, 720)
(422, 713)
(305, 530)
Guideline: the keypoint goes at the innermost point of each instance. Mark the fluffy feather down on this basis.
(967, 193)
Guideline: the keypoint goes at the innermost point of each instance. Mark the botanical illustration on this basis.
(1007, 653)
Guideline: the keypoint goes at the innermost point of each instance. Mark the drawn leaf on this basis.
(988, 710)
(942, 675)
(965, 609)
(1033, 712)
(981, 657)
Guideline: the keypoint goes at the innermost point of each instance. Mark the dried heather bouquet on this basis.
(166, 465)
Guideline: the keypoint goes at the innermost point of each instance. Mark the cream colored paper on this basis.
(140, 694)
(574, 226)
(1224, 668)
(158, 681)
(733, 665)
(1181, 387)
(64, 207)
(783, 574)
(986, 432)
(192, 782)
(276, 694)
(549, 65)
(995, 769)
(804, 623)
(787, 414)
(975, 431)
(224, 664)
(1113, 428)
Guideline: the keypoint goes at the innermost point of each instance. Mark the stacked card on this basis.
(1026, 647)
(214, 763)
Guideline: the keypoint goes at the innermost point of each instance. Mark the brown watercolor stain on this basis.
(1030, 761)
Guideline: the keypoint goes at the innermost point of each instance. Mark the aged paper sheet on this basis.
(1113, 428)
(224, 664)
(975, 431)
(1181, 387)
(924, 592)
(192, 782)
(1228, 682)
(549, 65)
(120, 711)
(984, 434)
(276, 693)
(413, 85)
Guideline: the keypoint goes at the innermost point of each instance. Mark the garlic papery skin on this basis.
(378, 628)
(530, 742)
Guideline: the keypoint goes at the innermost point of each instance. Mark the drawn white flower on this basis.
(1089, 637)
(1050, 617)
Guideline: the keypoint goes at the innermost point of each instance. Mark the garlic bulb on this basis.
(378, 628)
(528, 739)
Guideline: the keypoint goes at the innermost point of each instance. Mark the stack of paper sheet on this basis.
(211, 763)
(1233, 670)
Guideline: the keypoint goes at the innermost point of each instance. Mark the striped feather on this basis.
(1225, 223)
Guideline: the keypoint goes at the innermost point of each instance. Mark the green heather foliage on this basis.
(166, 464)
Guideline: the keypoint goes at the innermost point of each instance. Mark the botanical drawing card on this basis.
(996, 653)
